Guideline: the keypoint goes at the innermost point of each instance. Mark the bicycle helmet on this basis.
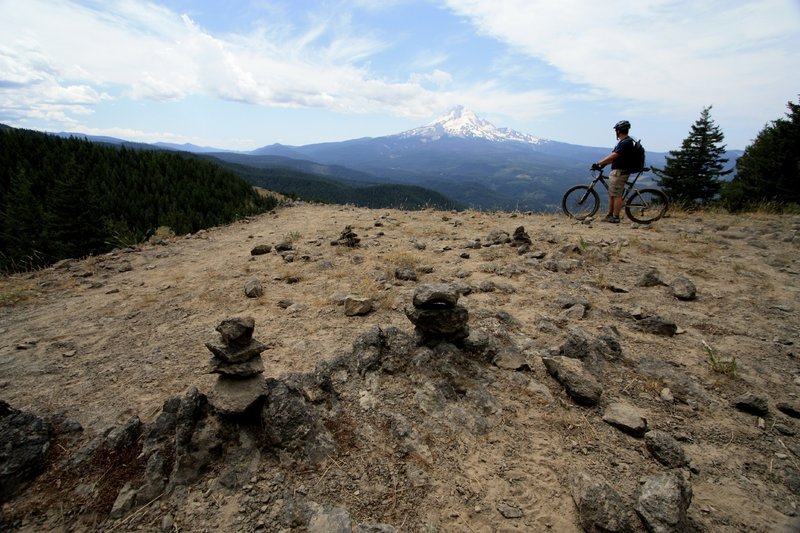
(622, 125)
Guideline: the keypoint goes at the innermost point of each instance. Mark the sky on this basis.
(242, 74)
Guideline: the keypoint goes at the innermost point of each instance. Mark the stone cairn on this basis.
(520, 237)
(347, 238)
(436, 315)
(239, 365)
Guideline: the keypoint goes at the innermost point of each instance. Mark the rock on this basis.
(237, 331)
(509, 511)
(236, 353)
(683, 288)
(123, 436)
(232, 396)
(329, 520)
(626, 418)
(651, 278)
(355, 306)
(288, 422)
(440, 323)
(511, 358)
(253, 288)
(751, 404)
(657, 326)
(284, 246)
(497, 237)
(24, 441)
(580, 385)
(261, 249)
(520, 238)
(251, 367)
(126, 500)
(431, 295)
(788, 409)
(662, 502)
(405, 274)
(665, 449)
(347, 238)
(600, 507)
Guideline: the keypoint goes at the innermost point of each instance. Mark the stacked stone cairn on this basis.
(238, 362)
(436, 315)
(347, 238)
(520, 237)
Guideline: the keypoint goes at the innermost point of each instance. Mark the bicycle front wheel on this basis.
(646, 205)
(580, 202)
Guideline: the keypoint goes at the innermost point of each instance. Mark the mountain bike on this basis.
(641, 205)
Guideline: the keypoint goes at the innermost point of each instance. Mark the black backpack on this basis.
(637, 156)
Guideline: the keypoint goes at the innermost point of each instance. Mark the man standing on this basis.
(621, 159)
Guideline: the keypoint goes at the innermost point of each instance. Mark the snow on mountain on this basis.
(461, 122)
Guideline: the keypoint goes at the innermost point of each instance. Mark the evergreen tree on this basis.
(769, 169)
(692, 173)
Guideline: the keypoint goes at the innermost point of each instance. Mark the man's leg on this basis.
(616, 202)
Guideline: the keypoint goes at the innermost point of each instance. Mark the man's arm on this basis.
(607, 159)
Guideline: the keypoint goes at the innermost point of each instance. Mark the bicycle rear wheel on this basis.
(580, 202)
(646, 205)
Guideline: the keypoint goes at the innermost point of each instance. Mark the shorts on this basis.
(616, 182)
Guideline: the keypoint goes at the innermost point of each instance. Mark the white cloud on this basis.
(675, 55)
(147, 52)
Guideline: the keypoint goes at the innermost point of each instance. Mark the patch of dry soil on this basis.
(108, 337)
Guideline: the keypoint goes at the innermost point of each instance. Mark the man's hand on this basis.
(597, 166)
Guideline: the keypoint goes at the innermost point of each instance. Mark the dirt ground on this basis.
(109, 337)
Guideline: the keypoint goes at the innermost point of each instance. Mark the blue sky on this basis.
(244, 74)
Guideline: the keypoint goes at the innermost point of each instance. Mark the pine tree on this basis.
(769, 169)
(692, 173)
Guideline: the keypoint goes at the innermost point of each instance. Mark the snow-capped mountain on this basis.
(461, 122)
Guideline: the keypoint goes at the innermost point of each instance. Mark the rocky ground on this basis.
(617, 375)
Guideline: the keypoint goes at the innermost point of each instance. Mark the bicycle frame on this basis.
(629, 185)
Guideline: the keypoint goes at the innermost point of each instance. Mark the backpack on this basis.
(637, 156)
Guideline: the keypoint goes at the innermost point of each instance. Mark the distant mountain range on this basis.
(461, 156)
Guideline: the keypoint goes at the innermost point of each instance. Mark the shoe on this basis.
(612, 219)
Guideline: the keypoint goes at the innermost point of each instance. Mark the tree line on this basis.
(62, 198)
(768, 172)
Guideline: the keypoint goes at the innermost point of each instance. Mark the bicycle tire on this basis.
(646, 205)
(580, 202)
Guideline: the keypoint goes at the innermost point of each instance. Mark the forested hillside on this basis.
(64, 198)
(315, 187)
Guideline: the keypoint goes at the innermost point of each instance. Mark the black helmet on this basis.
(622, 125)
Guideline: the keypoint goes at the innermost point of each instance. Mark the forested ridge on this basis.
(63, 198)
(317, 188)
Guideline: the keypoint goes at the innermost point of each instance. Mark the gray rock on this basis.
(626, 418)
(579, 383)
(683, 288)
(123, 436)
(498, 237)
(657, 326)
(261, 249)
(126, 500)
(232, 396)
(237, 330)
(288, 422)
(448, 323)
(662, 502)
(435, 295)
(248, 368)
(253, 288)
(237, 353)
(665, 449)
(356, 306)
(405, 274)
(752, 404)
(600, 507)
(509, 511)
(789, 409)
(24, 441)
(651, 278)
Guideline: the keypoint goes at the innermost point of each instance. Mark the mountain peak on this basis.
(462, 122)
